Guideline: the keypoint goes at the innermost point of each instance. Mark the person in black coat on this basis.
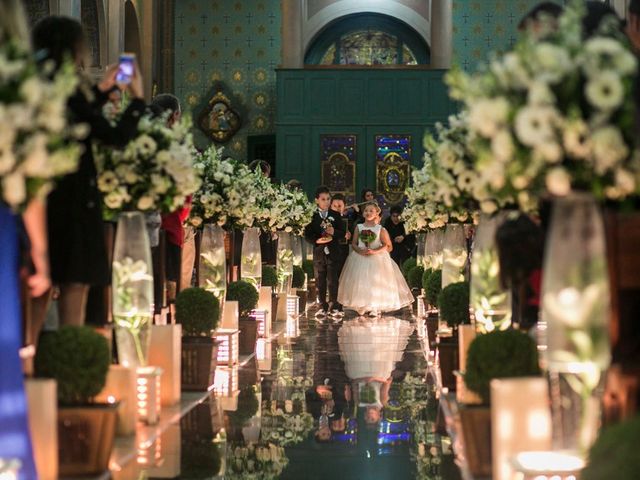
(77, 247)
(325, 232)
(403, 244)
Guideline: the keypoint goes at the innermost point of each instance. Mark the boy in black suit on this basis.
(325, 232)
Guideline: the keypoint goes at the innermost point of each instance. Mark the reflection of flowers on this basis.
(489, 301)
(126, 275)
(287, 426)
(263, 461)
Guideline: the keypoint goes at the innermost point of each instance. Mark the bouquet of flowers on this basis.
(36, 143)
(229, 195)
(553, 115)
(154, 172)
(367, 237)
(264, 461)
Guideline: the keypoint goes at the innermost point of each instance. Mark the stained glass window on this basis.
(393, 158)
(368, 39)
(338, 161)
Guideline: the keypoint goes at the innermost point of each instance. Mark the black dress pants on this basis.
(327, 272)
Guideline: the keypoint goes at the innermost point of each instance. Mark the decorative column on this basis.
(292, 48)
(441, 33)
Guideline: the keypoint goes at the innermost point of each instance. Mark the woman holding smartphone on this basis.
(77, 249)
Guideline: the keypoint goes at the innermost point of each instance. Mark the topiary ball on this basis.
(269, 276)
(615, 454)
(433, 287)
(499, 354)
(414, 278)
(408, 264)
(425, 278)
(297, 281)
(307, 266)
(245, 294)
(198, 311)
(453, 303)
(247, 406)
(78, 359)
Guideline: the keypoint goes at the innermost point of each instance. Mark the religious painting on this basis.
(219, 121)
(393, 160)
(338, 164)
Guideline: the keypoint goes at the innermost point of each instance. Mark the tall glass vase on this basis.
(575, 311)
(433, 249)
(213, 264)
(490, 302)
(454, 254)
(284, 264)
(297, 250)
(132, 282)
(421, 240)
(251, 261)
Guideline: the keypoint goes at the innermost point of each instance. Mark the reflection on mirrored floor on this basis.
(333, 399)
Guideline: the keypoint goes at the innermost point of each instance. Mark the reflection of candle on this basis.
(520, 420)
(148, 394)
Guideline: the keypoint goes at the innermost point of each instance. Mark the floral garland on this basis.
(36, 143)
(154, 172)
(442, 189)
(553, 115)
(264, 461)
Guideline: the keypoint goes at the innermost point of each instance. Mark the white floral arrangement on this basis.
(286, 209)
(229, 195)
(441, 191)
(263, 461)
(154, 172)
(553, 115)
(36, 143)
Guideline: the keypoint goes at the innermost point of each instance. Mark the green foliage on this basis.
(615, 453)
(78, 359)
(198, 311)
(414, 278)
(433, 287)
(297, 280)
(453, 302)
(269, 276)
(499, 354)
(425, 277)
(245, 294)
(408, 264)
(247, 406)
(307, 266)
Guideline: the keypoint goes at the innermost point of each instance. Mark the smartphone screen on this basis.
(125, 68)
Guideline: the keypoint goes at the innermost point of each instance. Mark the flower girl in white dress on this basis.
(370, 280)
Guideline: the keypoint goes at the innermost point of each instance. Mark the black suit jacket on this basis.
(313, 232)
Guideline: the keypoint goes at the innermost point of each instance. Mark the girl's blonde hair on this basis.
(374, 205)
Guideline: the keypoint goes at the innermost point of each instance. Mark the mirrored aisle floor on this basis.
(348, 399)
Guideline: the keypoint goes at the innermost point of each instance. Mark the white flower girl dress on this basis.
(374, 282)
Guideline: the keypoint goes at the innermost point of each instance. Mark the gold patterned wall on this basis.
(236, 43)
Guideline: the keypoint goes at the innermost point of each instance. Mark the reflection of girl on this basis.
(371, 393)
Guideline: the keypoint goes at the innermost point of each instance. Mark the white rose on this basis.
(488, 114)
(488, 206)
(107, 181)
(605, 91)
(502, 146)
(534, 125)
(609, 148)
(14, 189)
(558, 181)
(575, 138)
(625, 181)
(550, 152)
(551, 62)
(32, 90)
(540, 94)
(113, 200)
(7, 161)
(145, 202)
